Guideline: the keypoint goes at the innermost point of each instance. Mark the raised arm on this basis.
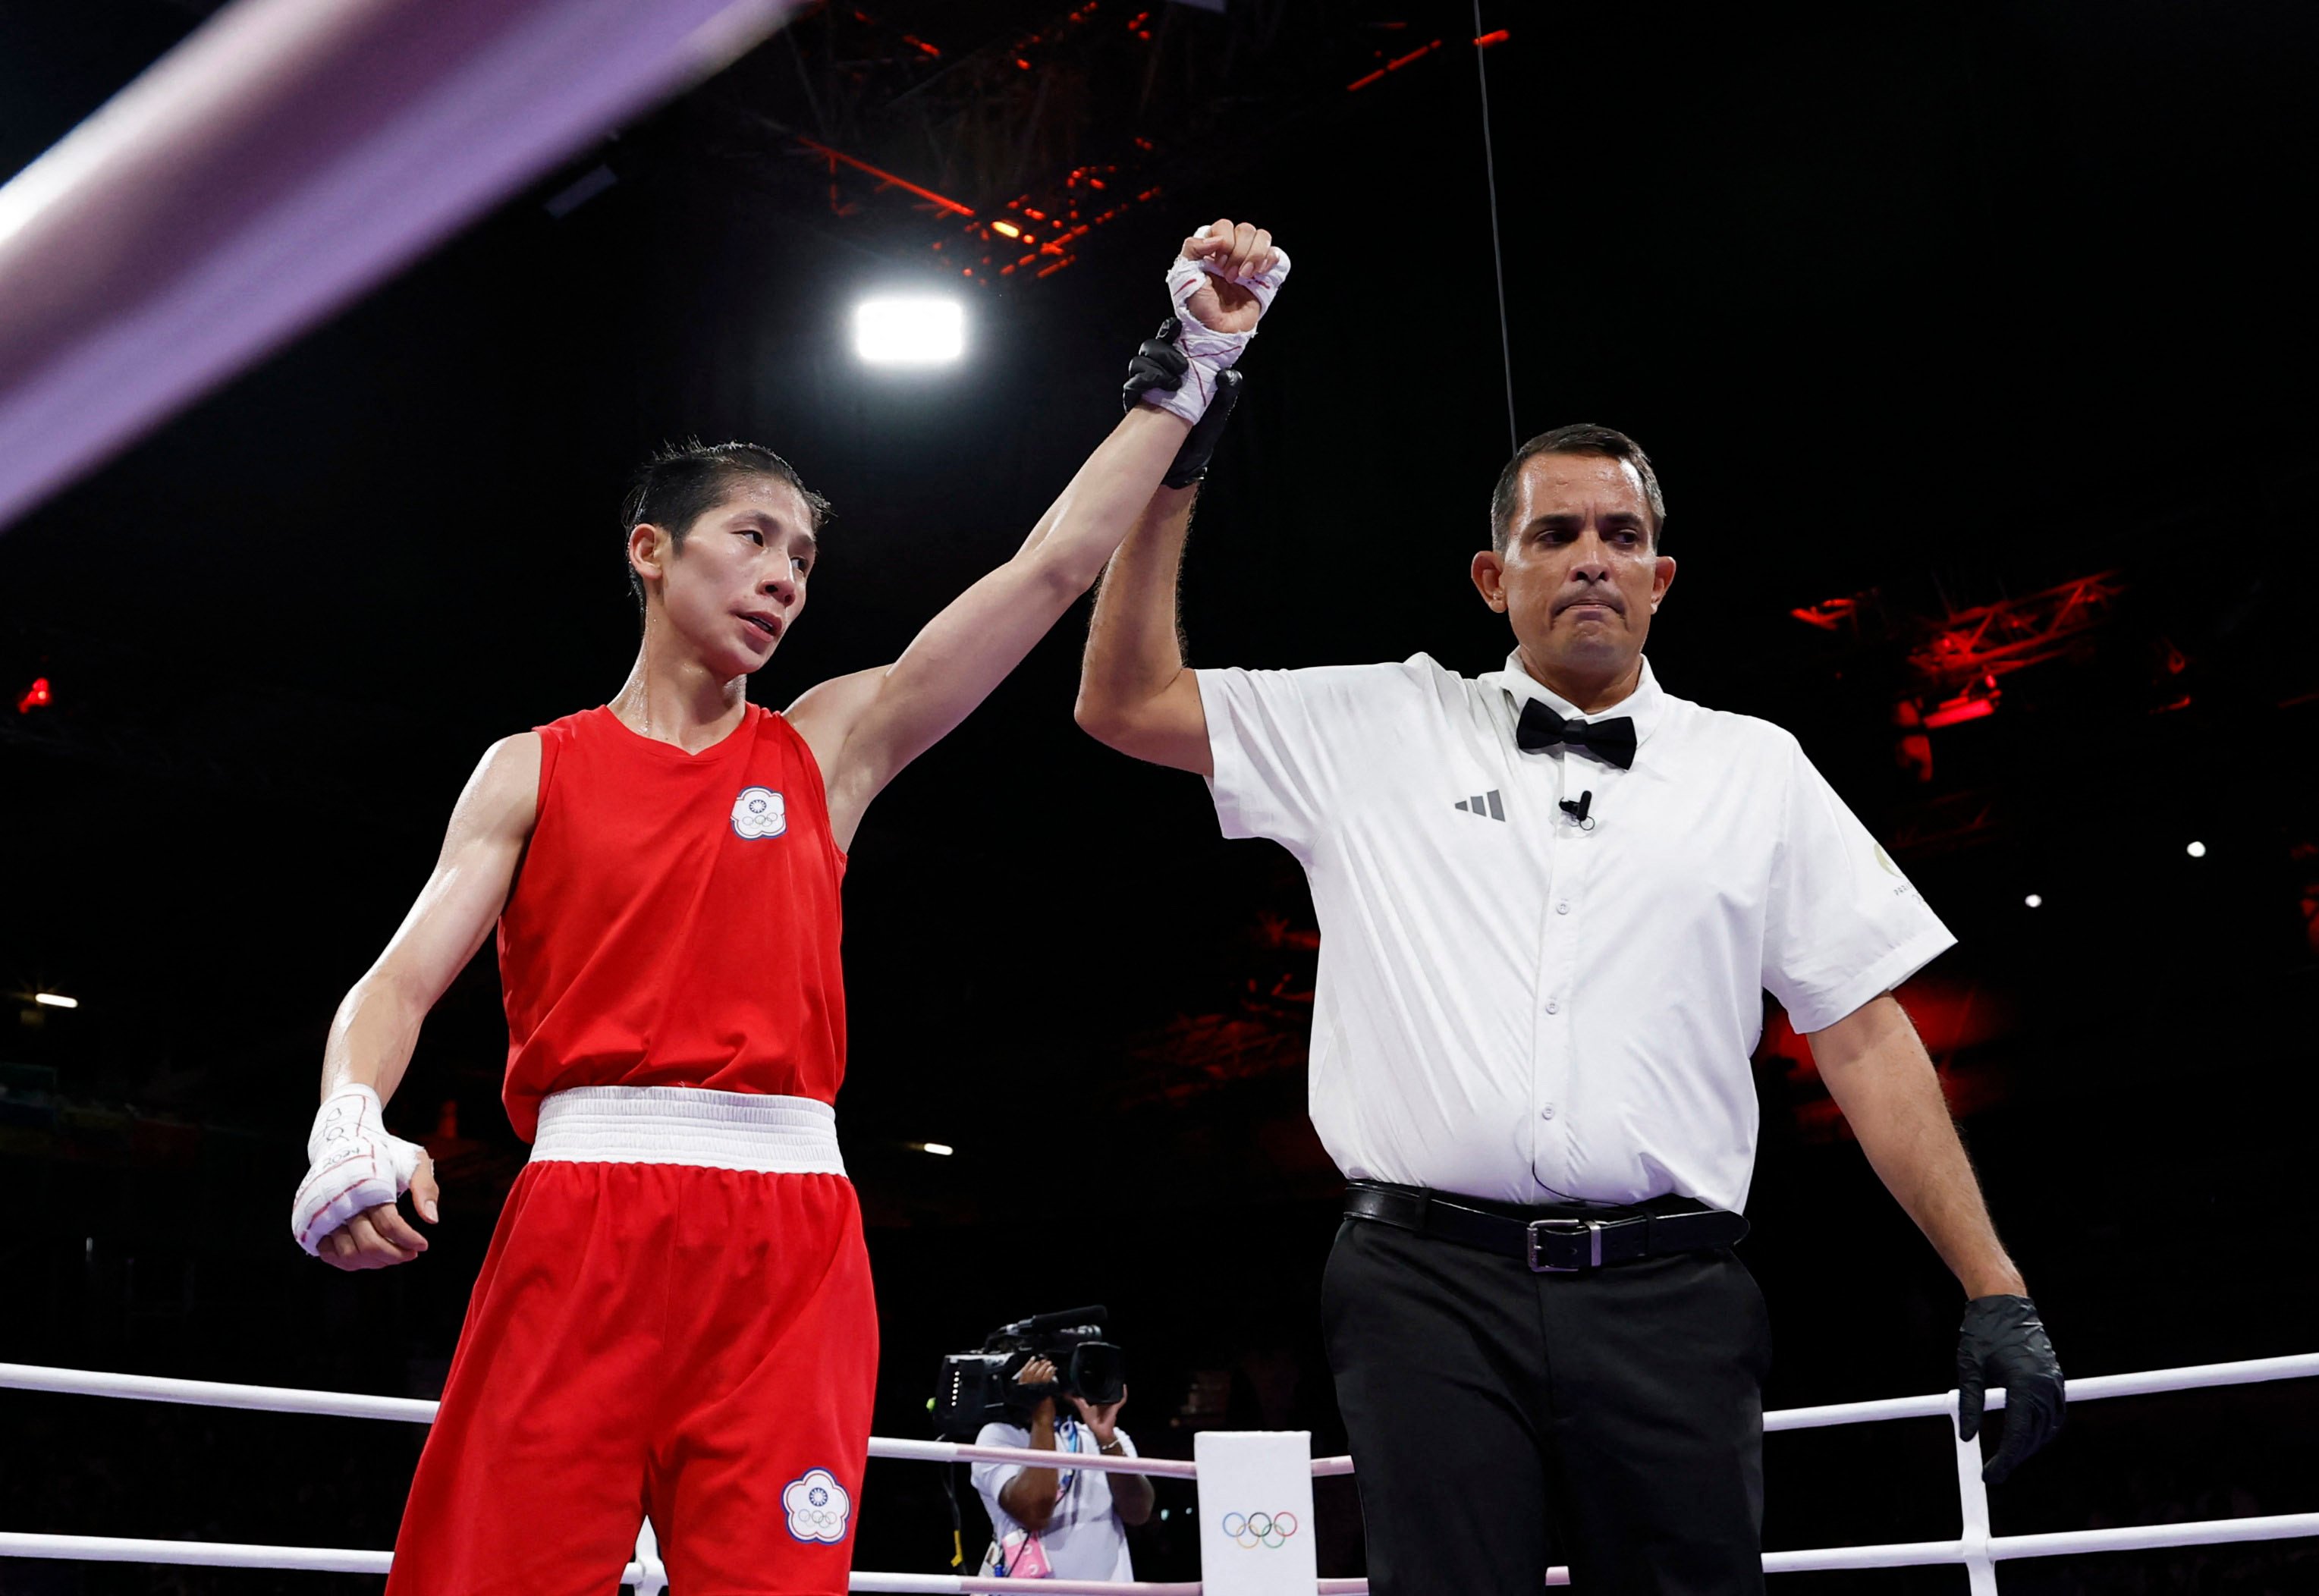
(865, 728)
(983, 635)
(1135, 692)
(377, 1024)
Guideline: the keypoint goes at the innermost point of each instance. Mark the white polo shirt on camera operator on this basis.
(1515, 1006)
(1084, 1539)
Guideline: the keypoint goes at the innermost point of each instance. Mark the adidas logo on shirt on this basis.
(1486, 805)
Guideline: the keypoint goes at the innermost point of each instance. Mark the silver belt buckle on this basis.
(1589, 1228)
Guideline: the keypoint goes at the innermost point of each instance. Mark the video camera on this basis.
(974, 1388)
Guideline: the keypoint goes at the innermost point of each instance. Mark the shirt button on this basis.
(1563, 908)
(1553, 1008)
(1546, 1112)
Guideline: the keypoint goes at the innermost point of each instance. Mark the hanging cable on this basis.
(1497, 253)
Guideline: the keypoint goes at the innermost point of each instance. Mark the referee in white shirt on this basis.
(1550, 899)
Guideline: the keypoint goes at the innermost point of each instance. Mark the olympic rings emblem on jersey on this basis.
(760, 812)
(818, 1507)
(1251, 1530)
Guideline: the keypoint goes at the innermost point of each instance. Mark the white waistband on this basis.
(689, 1125)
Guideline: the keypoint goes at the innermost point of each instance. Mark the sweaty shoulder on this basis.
(825, 714)
(503, 793)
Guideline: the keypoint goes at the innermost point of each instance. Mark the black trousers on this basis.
(1502, 1421)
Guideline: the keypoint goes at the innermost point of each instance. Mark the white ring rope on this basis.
(1978, 1550)
(286, 156)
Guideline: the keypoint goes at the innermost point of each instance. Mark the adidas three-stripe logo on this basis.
(1486, 805)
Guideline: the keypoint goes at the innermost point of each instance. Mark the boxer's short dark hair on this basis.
(1583, 438)
(683, 482)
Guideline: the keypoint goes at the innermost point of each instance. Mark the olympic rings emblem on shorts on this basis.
(1251, 1530)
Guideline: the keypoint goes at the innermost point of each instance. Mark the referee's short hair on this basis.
(1583, 438)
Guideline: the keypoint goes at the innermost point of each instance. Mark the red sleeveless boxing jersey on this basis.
(675, 920)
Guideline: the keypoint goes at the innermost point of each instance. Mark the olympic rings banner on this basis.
(1256, 1497)
(1253, 1530)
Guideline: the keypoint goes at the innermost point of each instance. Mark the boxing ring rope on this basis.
(285, 157)
(1976, 1549)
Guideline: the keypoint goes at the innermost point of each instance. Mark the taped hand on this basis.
(357, 1167)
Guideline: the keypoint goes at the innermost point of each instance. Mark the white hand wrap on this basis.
(1208, 350)
(355, 1165)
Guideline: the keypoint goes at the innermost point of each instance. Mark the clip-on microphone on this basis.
(1576, 808)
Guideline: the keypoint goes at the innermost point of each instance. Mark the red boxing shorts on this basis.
(674, 1318)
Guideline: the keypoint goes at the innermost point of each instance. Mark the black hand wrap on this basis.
(1159, 363)
(2004, 1343)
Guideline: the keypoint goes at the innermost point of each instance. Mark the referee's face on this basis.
(1579, 577)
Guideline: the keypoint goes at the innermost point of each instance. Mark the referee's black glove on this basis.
(1159, 363)
(2004, 1344)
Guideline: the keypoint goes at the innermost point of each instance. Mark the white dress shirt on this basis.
(1515, 1006)
(1084, 1538)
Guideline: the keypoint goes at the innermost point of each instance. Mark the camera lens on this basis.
(1098, 1371)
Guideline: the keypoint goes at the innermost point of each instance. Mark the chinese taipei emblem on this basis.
(818, 1507)
(759, 812)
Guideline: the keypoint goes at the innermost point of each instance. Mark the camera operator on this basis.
(1061, 1523)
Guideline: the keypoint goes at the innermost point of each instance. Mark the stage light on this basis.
(941, 1149)
(920, 330)
(2034, 900)
(55, 1000)
(2196, 850)
(1965, 706)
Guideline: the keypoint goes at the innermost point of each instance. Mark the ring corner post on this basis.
(1973, 1497)
(1256, 1512)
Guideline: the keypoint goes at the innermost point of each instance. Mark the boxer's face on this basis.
(738, 583)
(1579, 578)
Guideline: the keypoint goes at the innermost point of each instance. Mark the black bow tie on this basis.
(1610, 741)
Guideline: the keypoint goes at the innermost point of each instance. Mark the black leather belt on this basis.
(1561, 1241)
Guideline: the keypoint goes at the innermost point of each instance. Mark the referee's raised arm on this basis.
(1135, 692)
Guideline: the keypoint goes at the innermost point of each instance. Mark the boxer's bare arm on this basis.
(865, 732)
(864, 728)
(377, 1025)
(828, 714)
(1135, 692)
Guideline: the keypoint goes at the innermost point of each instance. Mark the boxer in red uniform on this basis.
(675, 1314)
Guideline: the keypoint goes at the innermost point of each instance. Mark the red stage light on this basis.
(1956, 710)
(837, 157)
(34, 696)
(1394, 64)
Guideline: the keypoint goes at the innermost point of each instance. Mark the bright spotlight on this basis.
(55, 1000)
(2196, 850)
(918, 330)
(941, 1149)
(2034, 901)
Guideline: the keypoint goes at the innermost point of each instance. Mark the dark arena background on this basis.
(1973, 343)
